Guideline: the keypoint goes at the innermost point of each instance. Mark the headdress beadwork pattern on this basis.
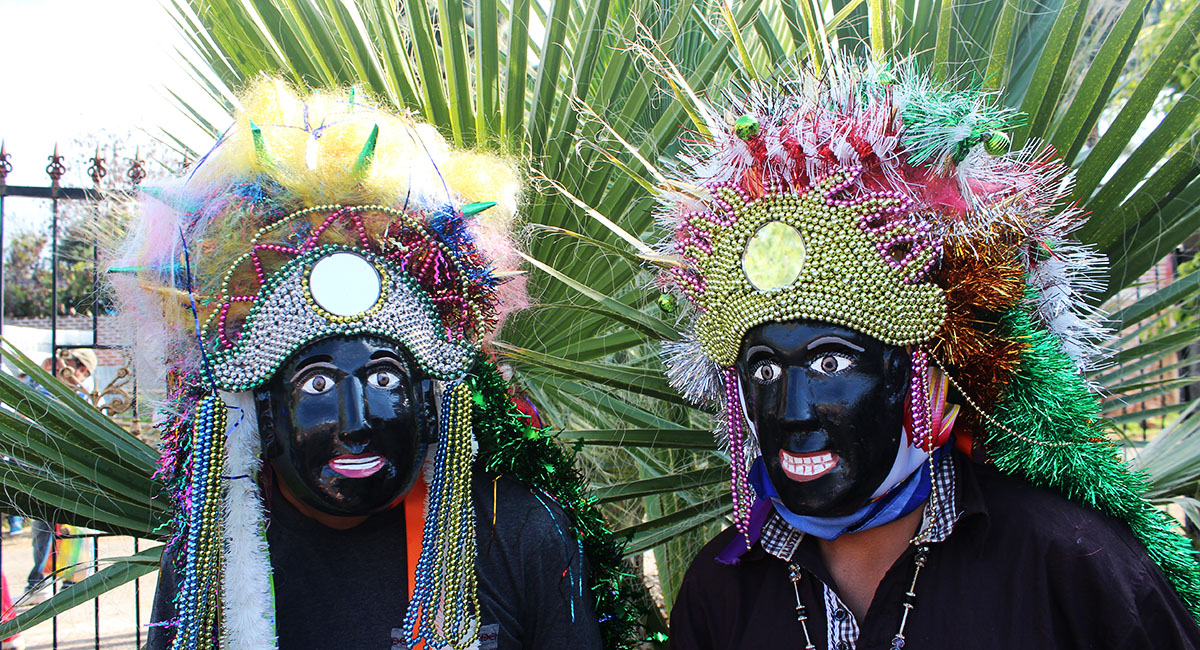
(320, 215)
(863, 264)
(870, 196)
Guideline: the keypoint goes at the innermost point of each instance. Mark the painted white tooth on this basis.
(357, 463)
(808, 465)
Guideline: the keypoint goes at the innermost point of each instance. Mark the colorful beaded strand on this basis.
(210, 534)
(196, 607)
(922, 433)
(423, 605)
(185, 635)
(461, 589)
(445, 578)
(739, 484)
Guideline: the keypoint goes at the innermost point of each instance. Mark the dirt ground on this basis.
(117, 616)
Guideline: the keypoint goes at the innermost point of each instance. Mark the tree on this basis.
(591, 107)
(28, 277)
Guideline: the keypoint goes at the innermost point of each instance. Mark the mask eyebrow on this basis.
(386, 361)
(316, 361)
(387, 357)
(757, 350)
(832, 339)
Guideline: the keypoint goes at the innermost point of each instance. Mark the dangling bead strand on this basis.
(199, 597)
(910, 596)
(801, 612)
(919, 399)
(444, 608)
(739, 485)
(910, 599)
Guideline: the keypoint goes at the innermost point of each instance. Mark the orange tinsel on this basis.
(981, 281)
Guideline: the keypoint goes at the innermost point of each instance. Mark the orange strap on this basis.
(414, 529)
(414, 532)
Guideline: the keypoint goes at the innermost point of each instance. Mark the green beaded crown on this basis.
(812, 254)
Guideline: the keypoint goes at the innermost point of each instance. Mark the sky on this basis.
(76, 67)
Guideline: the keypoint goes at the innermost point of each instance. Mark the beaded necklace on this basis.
(920, 541)
(910, 597)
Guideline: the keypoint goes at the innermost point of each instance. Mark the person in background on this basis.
(75, 365)
(7, 613)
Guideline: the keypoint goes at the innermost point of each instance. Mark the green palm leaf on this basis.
(584, 92)
(66, 462)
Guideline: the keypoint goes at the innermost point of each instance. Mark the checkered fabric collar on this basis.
(780, 539)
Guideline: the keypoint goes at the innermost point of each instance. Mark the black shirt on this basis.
(348, 589)
(1023, 568)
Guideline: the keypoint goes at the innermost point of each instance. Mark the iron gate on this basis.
(118, 396)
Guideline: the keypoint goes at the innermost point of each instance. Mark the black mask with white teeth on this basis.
(346, 423)
(827, 404)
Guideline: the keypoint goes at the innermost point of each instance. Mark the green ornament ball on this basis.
(667, 303)
(997, 144)
(746, 127)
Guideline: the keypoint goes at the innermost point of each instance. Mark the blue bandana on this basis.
(897, 502)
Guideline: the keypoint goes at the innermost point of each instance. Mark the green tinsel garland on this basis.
(510, 446)
(1048, 401)
(940, 121)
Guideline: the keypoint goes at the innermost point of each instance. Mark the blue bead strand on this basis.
(424, 605)
(196, 605)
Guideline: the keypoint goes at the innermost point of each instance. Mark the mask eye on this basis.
(830, 363)
(384, 379)
(766, 372)
(317, 384)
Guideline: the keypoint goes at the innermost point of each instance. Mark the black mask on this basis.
(346, 422)
(828, 404)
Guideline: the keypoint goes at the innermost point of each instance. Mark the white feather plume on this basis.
(248, 619)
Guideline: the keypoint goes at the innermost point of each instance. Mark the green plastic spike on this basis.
(472, 209)
(368, 152)
(260, 145)
(171, 197)
(123, 269)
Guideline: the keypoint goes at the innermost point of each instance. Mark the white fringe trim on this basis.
(248, 621)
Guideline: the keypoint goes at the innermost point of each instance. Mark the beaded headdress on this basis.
(872, 197)
(320, 216)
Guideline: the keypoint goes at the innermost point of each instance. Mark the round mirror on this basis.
(773, 256)
(344, 284)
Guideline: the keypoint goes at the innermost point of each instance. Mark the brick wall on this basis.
(107, 333)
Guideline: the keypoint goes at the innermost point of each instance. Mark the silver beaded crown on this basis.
(334, 269)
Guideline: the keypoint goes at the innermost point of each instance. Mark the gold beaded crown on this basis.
(814, 254)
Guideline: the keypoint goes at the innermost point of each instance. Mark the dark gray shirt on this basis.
(1023, 568)
(340, 589)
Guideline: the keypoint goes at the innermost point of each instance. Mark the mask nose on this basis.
(352, 402)
(798, 409)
